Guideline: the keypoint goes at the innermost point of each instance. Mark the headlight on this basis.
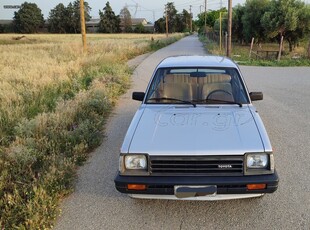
(135, 162)
(257, 161)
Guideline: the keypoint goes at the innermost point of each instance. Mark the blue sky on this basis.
(148, 9)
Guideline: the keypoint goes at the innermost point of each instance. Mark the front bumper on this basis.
(165, 185)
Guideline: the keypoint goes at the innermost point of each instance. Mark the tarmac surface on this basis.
(285, 110)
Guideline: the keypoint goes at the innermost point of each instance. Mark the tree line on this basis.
(177, 22)
(62, 19)
(66, 19)
(265, 20)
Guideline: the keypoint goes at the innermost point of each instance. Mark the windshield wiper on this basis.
(223, 101)
(171, 99)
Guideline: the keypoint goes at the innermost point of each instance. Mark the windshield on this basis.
(197, 85)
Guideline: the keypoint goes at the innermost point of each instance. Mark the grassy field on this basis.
(240, 53)
(54, 103)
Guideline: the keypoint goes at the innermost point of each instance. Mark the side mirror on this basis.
(138, 96)
(256, 96)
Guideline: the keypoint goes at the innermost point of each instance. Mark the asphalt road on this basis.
(285, 110)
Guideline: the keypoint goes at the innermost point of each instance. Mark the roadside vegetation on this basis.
(54, 104)
(240, 53)
(266, 22)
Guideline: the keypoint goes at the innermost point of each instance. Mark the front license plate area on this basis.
(186, 191)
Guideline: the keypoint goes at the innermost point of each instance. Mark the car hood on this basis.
(201, 130)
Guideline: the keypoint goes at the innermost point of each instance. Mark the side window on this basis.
(237, 87)
(156, 84)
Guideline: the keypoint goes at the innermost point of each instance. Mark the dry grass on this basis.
(54, 62)
(54, 103)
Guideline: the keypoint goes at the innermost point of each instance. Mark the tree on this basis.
(109, 22)
(57, 22)
(70, 19)
(172, 17)
(67, 19)
(290, 18)
(217, 22)
(211, 18)
(160, 25)
(183, 21)
(28, 19)
(139, 29)
(251, 19)
(237, 25)
(7, 28)
(176, 22)
(74, 14)
(126, 20)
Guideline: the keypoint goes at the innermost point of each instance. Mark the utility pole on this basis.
(221, 31)
(280, 49)
(153, 21)
(228, 54)
(190, 22)
(83, 30)
(167, 28)
(205, 17)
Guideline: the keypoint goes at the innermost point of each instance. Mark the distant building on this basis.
(5, 22)
(137, 21)
(92, 26)
(6, 26)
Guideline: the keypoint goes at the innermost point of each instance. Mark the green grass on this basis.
(240, 54)
(50, 122)
(37, 168)
(158, 44)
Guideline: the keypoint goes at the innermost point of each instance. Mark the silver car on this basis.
(196, 135)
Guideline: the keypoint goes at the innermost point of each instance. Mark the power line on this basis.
(186, 3)
(195, 5)
(167, 29)
(136, 6)
(140, 5)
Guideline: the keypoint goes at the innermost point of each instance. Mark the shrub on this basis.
(54, 105)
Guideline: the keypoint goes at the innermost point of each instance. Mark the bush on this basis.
(49, 125)
(37, 168)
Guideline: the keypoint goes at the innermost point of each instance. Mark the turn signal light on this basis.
(136, 187)
(256, 186)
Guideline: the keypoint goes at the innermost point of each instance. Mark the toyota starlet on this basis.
(196, 135)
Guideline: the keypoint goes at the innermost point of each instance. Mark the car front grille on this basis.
(196, 165)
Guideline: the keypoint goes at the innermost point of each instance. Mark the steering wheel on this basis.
(218, 91)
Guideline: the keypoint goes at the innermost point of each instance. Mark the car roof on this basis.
(197, 61)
